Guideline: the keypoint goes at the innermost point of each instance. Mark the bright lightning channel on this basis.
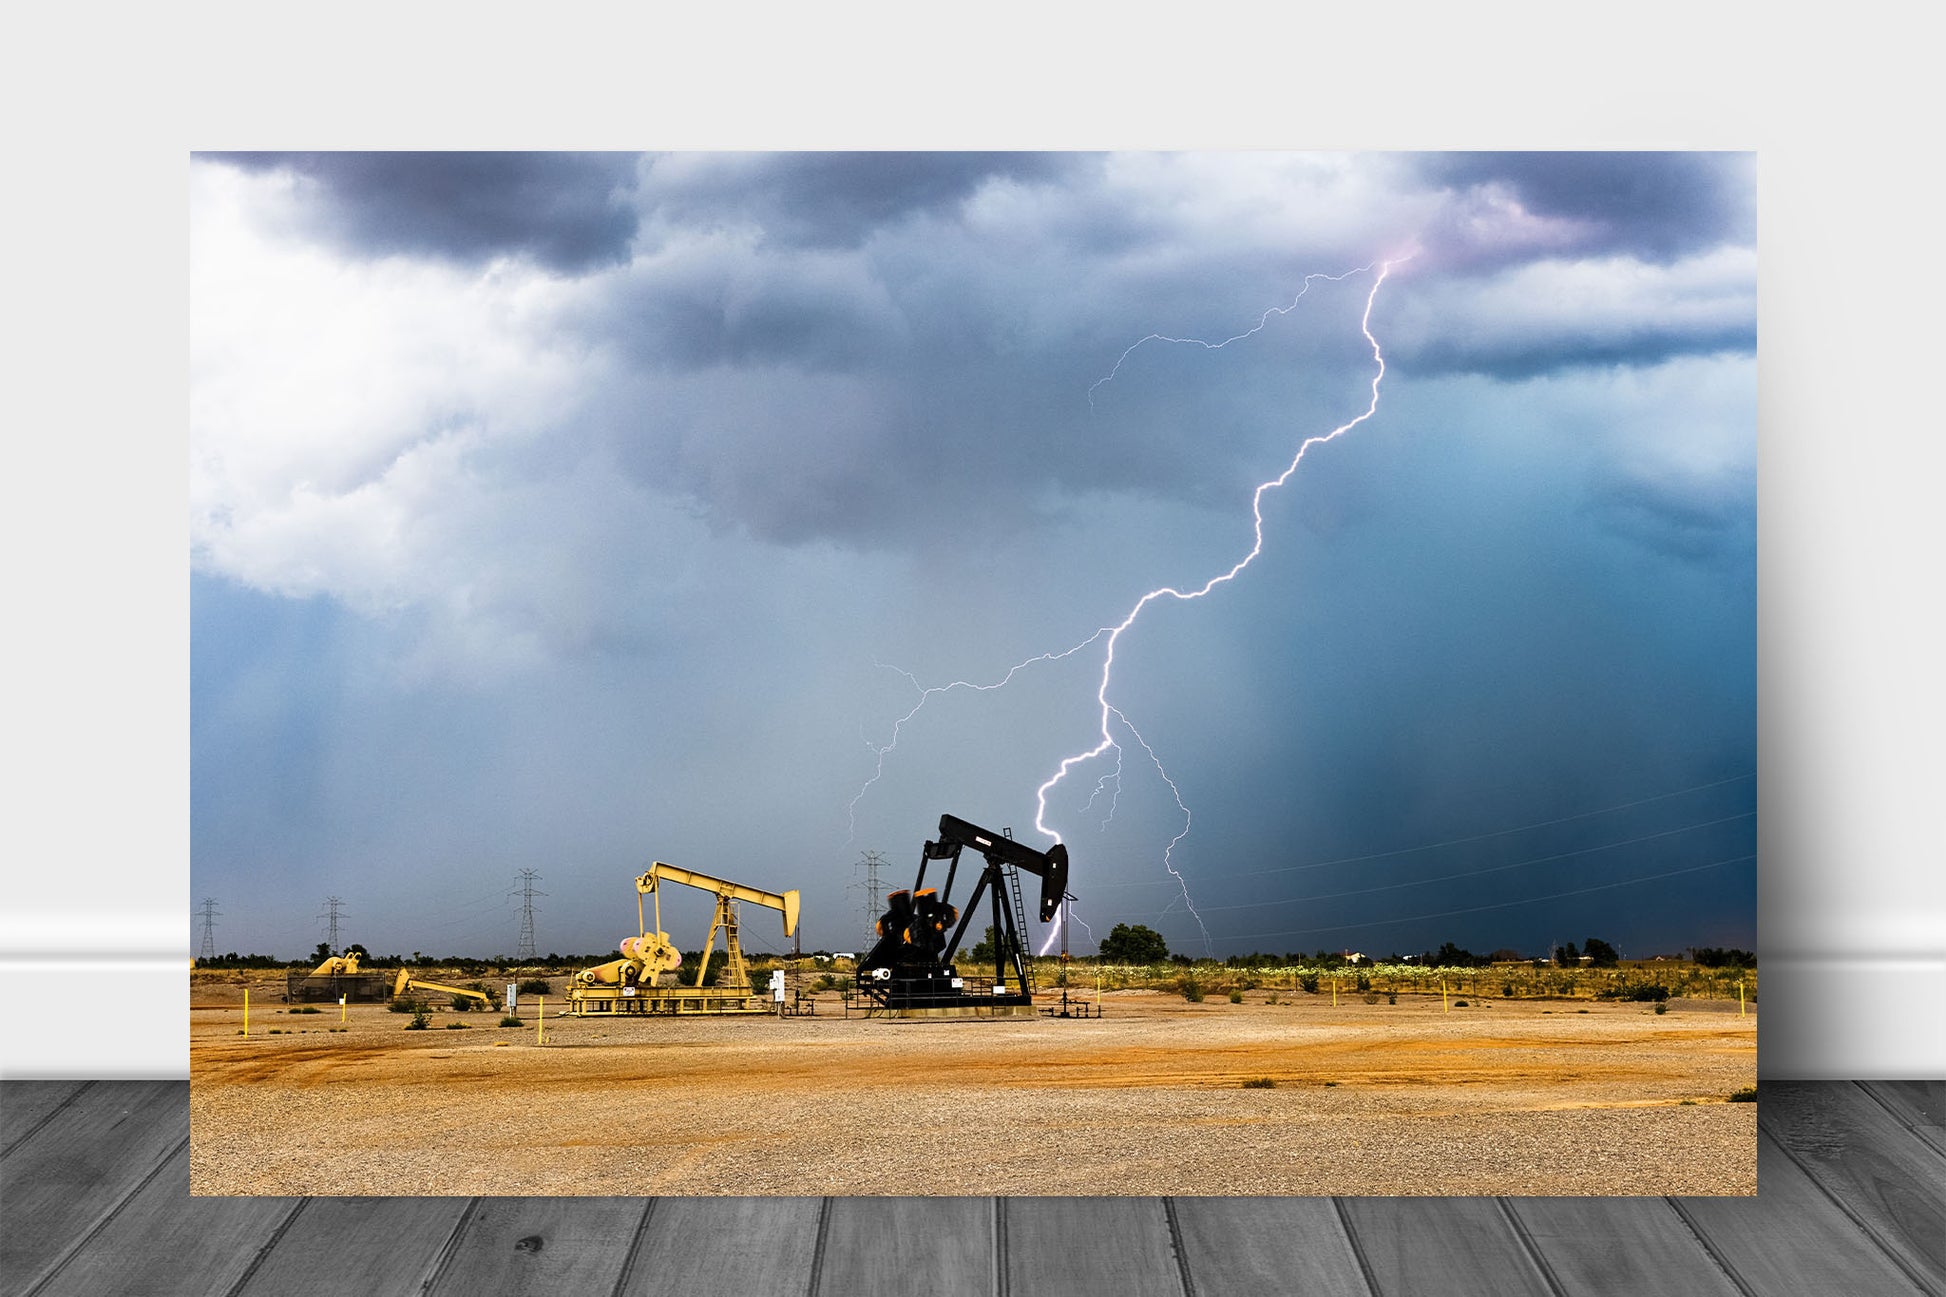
(1109, 712)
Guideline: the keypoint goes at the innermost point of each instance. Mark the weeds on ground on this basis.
(1748, 1094)
(1191, 989)
(511, 1021)
(1236, 997)
(1260, 1083)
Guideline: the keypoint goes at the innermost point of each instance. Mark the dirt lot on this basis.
(1506, 1097)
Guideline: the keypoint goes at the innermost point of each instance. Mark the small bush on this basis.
(535, 986)
(1371, 997)
(1459, 1004)
(1506, 990)
(458, 1026)
(511, 1021)
(1236, 997)
(278, 1031)
(306, 1009)
(419, 1019)
(1309, 982)
(1191, 989)
(1660, 1007)
(463, 1003)
(1748, 1094)
(407, 1006)
(1641, 993)
(1364, 982)
(1393, 998)
(1271, 998)
(1260, 1083)
(1330, 1085)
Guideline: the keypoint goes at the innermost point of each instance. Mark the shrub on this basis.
(1236, 997)
(1459, 1004)
(457, 1026)
(1192, 990)
(463, 1003)
(1393, 998)
(1748, 1094)
(1506, 990)
(419, 1019)
(1309, 982)
(1660, 1007)
(1364, 982)
(1260, 1083)
(511, 1021)
(1371, 997)
(407, 1006)
(306, 1009)
(535, 986)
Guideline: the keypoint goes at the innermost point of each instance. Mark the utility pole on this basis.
(208, 949)
(331, 906)
(871, 862)
(525, 952)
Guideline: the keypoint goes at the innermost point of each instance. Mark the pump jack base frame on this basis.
(663, 1001)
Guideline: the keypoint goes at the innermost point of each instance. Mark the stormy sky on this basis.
(568, 512)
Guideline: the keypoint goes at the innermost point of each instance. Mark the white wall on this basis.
(1853, 906)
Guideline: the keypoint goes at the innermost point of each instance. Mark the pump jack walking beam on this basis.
(724, 917)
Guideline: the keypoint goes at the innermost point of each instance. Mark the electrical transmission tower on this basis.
(208, 949)
(525, 953)
(870, 862)
(330, 915)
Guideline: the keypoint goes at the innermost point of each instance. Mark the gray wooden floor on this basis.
(95, 1183)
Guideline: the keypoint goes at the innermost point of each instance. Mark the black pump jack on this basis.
(911, 966)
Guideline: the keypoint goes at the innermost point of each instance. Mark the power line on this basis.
(208, 949)
(1476, 909)
(1449, 842)
(525, 952)
(871, 862)
(1475, 873)
(331, 907)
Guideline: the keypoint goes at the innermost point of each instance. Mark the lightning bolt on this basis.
(1110, 713)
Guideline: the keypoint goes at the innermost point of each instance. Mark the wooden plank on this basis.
(29, 1103)
(1639, 1246)
(1268, 1245)
(724, 1247)
(1889, 1182)
(1920, 1105)
(898, 1246)
(369, 1246)
(1090, 1245)
(83, 1163)
(1457, 1247)
(516, 1246)
(1791, 1240)
(164, 1243)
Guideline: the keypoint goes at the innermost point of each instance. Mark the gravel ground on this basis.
(1513, 1097)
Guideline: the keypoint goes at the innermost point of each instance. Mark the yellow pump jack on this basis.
(407, 982)
(641, 981)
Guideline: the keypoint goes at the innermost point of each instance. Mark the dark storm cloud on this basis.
(1710, 522)
(826, 199)
(1514, 360)
(1653, 205)
(570, 212)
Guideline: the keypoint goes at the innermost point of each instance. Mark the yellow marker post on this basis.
(341, 1008)
(1334, 992)
(246, 1011)
(1442, 996)
(540, 1018)
(1739, 997)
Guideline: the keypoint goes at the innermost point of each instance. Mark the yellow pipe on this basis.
(246, 1011)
